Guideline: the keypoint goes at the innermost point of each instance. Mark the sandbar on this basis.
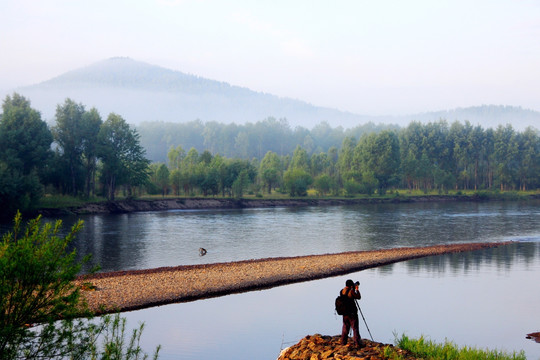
(138, 289)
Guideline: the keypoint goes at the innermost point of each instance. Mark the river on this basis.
(484, 299)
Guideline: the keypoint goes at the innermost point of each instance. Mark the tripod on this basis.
(363, 318)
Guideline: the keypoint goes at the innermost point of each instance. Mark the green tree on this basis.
(323, 184)
(162, 178)
(123, 158)
(270, 170)
(300, 159)
(529, 159)
(25, 139)
(25, 146)
(176, 156)
(17, 191)
(90, 124)
(379, 154)
(68, 134)
(506, 156)
(297, 181)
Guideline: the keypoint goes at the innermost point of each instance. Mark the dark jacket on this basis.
(352, 294)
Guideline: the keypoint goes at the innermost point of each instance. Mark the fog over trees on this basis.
(143, 92)
(82, 155)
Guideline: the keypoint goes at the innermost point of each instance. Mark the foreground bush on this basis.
(41, 312)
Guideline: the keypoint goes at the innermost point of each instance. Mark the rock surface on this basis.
(320, 347)
(131, 290)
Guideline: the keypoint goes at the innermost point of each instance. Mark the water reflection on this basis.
(488, 300)
(155, 239)
(500, 258)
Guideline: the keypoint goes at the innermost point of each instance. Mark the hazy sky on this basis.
(368, 57)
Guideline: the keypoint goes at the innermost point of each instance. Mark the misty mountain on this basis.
(142, 92)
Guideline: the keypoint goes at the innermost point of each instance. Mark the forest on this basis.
(83, 156)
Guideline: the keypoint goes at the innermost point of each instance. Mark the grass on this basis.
(428, 349)
(65, 201)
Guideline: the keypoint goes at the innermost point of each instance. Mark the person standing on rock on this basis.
(350, 319)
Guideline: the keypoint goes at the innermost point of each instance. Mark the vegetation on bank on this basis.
(428, 349)
(83, 156)
(67, 201)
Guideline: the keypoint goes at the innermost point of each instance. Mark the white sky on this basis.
(368, 57)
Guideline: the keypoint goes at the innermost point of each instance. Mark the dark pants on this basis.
(349, 321)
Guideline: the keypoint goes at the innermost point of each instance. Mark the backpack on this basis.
(344, 304)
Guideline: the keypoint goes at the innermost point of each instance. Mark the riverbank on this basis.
(131, 290)
(200, 203)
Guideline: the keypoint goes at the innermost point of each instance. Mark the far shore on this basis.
(209, 203)
(132, 290)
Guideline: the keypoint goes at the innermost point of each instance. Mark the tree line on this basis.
(79, 151)
(433, 156)
(82, 155)
(246, 141)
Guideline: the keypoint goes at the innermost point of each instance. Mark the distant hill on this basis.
(142, 92)
(489, 116)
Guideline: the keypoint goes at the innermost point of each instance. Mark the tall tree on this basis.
(506, 156)
(300, 159)
(529, 159)
(25, 145)
(162, 178)
(90, 125)
(68, 133)
(270, 170)
(175, 157)
(25, 139)
(123, 157)
(379, 154)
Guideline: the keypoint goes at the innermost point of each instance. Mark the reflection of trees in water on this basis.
(502, 258)
(111, 241)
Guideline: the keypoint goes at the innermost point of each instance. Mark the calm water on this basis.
(155, 239)
(486, 299)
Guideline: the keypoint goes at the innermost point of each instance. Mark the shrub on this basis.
(41, 312)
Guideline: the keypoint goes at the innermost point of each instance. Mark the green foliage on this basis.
(25, 139)
(36, 275)
(428, 349)
(18, 191)
(25, 142)
(434, 157)
(114, 346)
(297, 181)
(41, 311)
(124, 161)
(323, 184)
(68, 134)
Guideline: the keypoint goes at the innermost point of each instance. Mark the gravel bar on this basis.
(138, 289)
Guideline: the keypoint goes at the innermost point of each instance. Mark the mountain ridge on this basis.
(141, 92)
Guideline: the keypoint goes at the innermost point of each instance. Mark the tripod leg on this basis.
(363, 318)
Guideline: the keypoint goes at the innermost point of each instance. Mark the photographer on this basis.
(350, 319)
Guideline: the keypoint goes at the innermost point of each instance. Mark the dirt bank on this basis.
(130, 290)
(127, 206)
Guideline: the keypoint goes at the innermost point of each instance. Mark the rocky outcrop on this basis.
(319, 347)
